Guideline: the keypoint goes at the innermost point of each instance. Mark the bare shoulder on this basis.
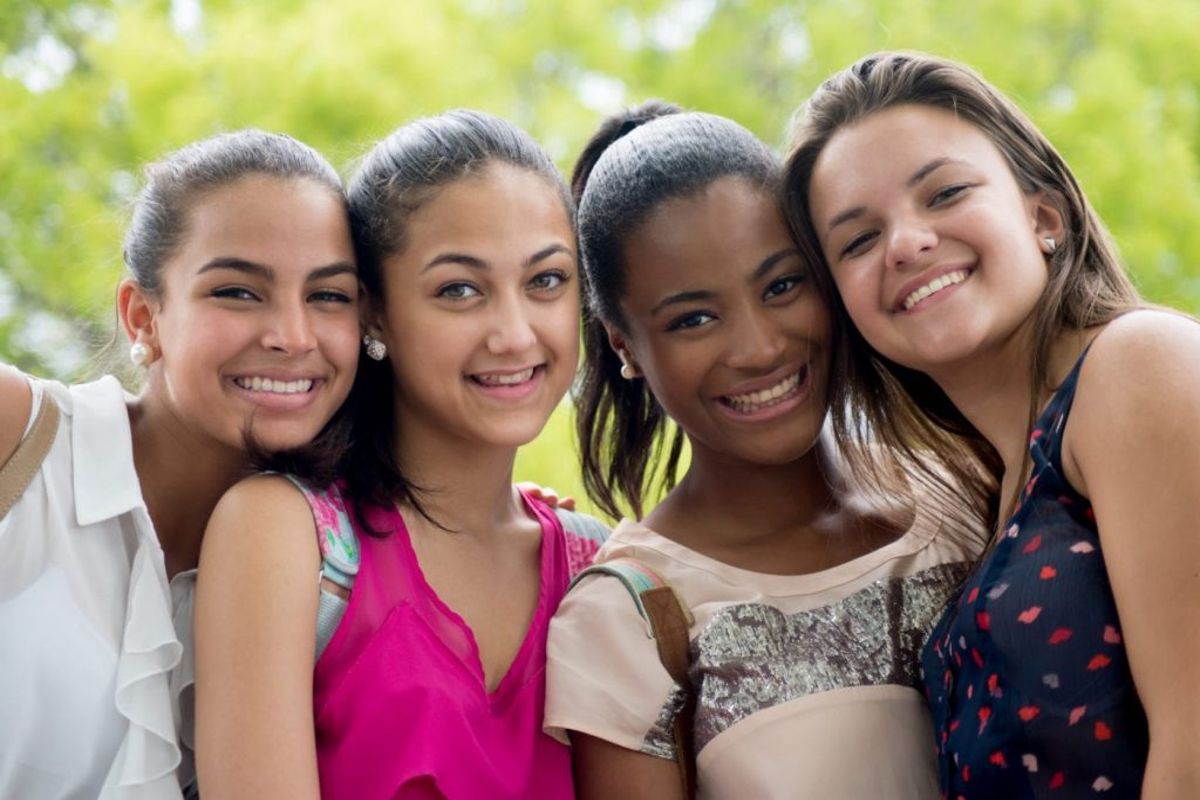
(16, 400)
(1137, 391)
(263, 520)
(1144, 345)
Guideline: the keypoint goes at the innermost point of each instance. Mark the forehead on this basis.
(888, 146)
(498, 202)
(267, 219)
(702, 240)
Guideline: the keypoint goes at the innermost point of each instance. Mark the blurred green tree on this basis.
(93, 89)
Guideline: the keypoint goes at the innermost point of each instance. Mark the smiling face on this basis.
(258, 317)
(724, 326)
(482, 310)
(935, 249)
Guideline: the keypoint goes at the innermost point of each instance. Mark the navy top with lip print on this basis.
(1026, 673)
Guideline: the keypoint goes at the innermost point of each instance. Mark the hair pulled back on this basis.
(878, 402)
(634, 163)
(173, 184)
(395, 179)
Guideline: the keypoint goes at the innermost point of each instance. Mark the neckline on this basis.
(516, 673)
(920, 534)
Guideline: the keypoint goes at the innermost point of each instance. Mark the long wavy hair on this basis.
(893, 421)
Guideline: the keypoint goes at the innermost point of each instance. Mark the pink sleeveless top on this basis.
(399, 700)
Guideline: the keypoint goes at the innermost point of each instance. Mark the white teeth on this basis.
(767, 397)
(936, 285)
(511, 379)
(257, 384)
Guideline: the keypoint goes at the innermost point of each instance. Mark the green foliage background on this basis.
(91, 90)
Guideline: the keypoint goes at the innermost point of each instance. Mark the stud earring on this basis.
(139, 354)
(1049, 245)
(376, 349)
(628, 370)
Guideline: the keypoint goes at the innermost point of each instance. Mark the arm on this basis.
(16, 401)
(256, 609)
(1133, 444)
(606, 689)
(604, 770)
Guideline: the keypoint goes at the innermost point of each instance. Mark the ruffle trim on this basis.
(146, 762)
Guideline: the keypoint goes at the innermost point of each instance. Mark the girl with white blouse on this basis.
(242, 308)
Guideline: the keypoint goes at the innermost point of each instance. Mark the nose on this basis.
(758, 341)
(289, 330)
(909, 240)
(512, 328)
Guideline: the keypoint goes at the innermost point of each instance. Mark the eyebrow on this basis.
(476, 263)
(266, 273)
(917, 177)
(771, 261)
(768, 263)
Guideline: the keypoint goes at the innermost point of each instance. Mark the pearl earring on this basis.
(628, 371)
(139, 354)
(376, 349)
(1049, 245)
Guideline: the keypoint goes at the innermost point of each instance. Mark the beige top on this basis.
(806, 682)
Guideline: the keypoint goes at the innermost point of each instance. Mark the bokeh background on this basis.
(90, 91)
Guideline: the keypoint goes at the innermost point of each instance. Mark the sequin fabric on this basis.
(752, 656)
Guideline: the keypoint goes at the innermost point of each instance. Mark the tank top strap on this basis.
(1047, 431)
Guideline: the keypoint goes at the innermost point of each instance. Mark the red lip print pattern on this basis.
(1032, 660)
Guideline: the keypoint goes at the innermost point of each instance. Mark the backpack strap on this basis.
(20, 468)
(583, 525)
(669, 620)
(340, 555)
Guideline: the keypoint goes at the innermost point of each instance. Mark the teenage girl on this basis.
(242, 308)
(988, 329)
(810, 600)
(433, 683)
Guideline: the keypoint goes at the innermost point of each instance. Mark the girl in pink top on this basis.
(433, 683)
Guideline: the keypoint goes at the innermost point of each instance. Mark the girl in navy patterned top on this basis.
(987, 345)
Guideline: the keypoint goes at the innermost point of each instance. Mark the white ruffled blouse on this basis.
(92, 669)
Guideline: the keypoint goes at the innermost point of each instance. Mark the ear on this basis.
(372, 319)
(620, 345)
(139, 315)
(1046, 216)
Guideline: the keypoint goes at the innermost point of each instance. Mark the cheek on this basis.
(860, 295)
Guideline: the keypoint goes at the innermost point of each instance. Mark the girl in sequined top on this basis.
(988, 328)
(810, 607)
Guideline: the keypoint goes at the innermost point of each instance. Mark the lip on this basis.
(779, 409)
(766, 381)
(508, 392)
(274, 401)
(928, 277)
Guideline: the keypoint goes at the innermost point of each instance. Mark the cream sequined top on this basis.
(806, 682)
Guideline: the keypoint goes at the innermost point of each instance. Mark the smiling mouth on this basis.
(505, 378)
(933, 287)
(771, 396)
(257, 384)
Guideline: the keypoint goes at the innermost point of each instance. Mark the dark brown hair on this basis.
(881, 408)
(397, 177)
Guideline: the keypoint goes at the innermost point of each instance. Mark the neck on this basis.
(995, 391)
(182, 476)
(738, 501)
(462, 485)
